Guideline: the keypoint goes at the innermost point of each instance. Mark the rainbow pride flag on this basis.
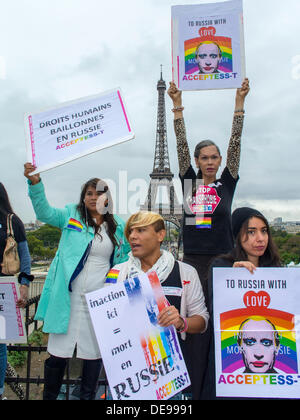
(286, 359)
(203, 222)
(225, 45)
(75, 225)
(112, 276)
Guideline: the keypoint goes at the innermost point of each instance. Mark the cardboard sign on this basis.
(208, 46)
(257, 325)
(12, 327)
(75, 129)
(142, 360)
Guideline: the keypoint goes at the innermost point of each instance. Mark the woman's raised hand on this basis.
(175, 94)
(28, 169)
(242, 92)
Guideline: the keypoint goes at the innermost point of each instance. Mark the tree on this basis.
(43, 242)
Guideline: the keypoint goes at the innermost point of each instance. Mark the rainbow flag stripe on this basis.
(112, 276)
(225, 45)
(232, 360)
(75, 224)
(203, 223)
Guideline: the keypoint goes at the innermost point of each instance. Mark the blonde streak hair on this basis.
(144, 218)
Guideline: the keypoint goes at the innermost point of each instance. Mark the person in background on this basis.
(92, 241)
(25, 264)
(206, 228)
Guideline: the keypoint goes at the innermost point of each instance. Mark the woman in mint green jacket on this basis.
(92, 241)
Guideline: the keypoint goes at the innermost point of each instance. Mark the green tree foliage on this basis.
(43, 242)
(288, 245)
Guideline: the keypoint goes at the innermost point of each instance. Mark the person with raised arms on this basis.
(92, 240)
(206, 227)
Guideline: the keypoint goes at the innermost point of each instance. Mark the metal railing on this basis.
(12, 378)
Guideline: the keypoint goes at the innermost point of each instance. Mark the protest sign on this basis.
(142, 360)
(208, 46)
(12, 328)
(75, 129)
(257, 341)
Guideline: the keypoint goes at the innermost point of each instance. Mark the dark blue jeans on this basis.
(3, 361)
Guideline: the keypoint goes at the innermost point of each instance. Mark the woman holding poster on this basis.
(254, 247)
(206, 226)
(25, 263)
(92, 241)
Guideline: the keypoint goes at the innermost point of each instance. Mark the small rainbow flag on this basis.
(203, 223)
(75, 224)
(112, 276)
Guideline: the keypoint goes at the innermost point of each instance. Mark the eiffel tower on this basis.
(161, 175)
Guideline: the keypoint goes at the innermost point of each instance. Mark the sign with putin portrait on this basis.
(208, 46)
(257, 340)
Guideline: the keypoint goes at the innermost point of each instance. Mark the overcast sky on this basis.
(58, 50)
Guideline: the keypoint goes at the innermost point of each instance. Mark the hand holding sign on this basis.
(28, 169)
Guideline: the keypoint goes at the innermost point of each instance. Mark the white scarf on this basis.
(163, 266)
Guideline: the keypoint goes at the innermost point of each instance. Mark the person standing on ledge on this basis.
(206, 229)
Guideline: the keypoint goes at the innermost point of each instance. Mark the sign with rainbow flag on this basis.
(142, 360)
(12, 326)
(257, 332)
(208, 46)
(75, 129)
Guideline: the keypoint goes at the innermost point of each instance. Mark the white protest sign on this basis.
(257, 341)
(12, 327)
(208, 46)
(142, 360)
(75, 129)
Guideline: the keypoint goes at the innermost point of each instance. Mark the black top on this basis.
(211, 233)
(19, 233)
(172, 287)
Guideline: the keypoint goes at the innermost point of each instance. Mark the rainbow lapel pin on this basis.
(112, 276)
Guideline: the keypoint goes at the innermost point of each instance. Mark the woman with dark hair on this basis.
(92, 241)
(206, 223)
(25, 263)
(254, 247)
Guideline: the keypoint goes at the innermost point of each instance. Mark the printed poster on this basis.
(142, 360)
(12, 327)
(257, 325)
(208, 46)
(75, 129)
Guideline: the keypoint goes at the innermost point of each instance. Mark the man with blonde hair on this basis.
(145, 232)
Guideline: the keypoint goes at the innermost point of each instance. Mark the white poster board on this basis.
(142, 360)
(257, 325)
(208, 46)
(75, 129)
(12, 327)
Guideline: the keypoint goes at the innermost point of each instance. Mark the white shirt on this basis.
(80, 333)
